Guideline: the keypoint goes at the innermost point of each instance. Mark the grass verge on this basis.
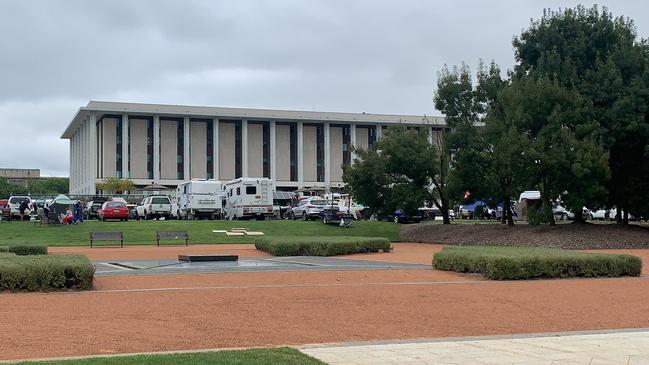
(321, 246)
(515, 263)
(285, 356)
(45, 273)
(24, 249)
(143, 232)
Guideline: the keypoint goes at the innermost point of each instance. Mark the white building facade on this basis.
(168, 144)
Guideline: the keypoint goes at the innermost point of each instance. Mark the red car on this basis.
(113, 210)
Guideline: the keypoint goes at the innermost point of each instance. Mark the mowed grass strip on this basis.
(287, 356)
(320, 246)
(200, 232)
(515, 263)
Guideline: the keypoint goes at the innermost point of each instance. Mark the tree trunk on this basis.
(579, 216)
(446, 219)
(626, 217)
(508, 212)
(548, 211)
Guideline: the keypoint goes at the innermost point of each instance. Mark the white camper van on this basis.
(199, 199)
(249, 197)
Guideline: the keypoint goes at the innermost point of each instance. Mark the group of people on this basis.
(50, 214)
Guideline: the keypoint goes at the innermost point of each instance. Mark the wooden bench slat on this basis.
(107, 236)
(172, 235)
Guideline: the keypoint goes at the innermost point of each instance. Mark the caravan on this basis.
(249, 197)
(199, 198)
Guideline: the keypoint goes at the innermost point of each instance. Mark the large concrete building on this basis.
(171, 143)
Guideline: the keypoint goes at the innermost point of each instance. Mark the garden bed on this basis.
(321, 246)
(515, 263)
(29, 268)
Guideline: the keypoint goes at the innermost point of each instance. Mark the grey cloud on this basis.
(373, 56)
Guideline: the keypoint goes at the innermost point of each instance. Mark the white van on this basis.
(249, 197)
(199, 199)
(14, 204)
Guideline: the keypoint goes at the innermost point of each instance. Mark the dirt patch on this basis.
(570, 236)
(244, 310)
(158, 253)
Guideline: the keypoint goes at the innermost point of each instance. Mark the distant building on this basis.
(20, 176)
(168, 144)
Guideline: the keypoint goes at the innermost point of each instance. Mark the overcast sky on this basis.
(354, 56)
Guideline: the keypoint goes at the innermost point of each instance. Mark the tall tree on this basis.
(405, 172)
(483, 145)
(602, 58)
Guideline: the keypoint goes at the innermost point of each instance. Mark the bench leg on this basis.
(122, 243)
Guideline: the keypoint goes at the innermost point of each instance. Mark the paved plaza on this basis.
(622, 347)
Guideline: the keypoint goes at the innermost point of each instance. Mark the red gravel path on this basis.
(257, 309)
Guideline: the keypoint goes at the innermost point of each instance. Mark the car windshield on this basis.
(160, 200)
(115, 205)
(318, 202)
(18, 199)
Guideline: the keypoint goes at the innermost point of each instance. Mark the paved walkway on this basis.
(626, 347)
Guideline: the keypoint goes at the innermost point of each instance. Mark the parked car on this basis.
(14, 205)
(154, 207)
(309, 208)
(400, 216)
(113, 210)
(92, 209)
(5, 210)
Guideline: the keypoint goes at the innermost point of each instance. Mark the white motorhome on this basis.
(249, 197)
(199, 199)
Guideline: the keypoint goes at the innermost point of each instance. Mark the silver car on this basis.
(309, 208)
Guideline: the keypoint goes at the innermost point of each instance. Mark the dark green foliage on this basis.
(25, 249)
(50, 185)
(321, 246)
(8, 189)
(516, 263)
(45, 273)
(406, 173)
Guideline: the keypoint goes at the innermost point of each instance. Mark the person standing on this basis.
(24, 206)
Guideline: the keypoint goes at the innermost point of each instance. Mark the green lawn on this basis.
(277, 356)
(143, 232)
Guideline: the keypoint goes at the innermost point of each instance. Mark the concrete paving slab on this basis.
(581, 348)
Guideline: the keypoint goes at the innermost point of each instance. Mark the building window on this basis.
(320, 164)
(180, 143)
(210, 149)
(149, 149)
(118, 148)
(293, 150)
(371, 138)
(237, 151)
(346, 145)
(266, 149)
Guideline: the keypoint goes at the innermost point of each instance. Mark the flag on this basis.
(467, 194)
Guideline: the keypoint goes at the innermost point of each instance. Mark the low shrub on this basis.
(515, 263)
(45, 273)
(321, 246)
(27, 250)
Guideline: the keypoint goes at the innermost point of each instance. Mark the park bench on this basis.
(172, 235)
(107, 236)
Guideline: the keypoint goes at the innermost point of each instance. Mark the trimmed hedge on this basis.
(45, 273)
(321, 246)
(516, 263)
(24, 249)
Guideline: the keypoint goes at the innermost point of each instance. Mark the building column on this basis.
(215, 149)
(379, 132)
(430, 135)
(352, 140)
(272, 149)
(125, 142)
(327, 154)
(244, 148)
(156, 148)
(88, 159)
(300, 154)
(187, 159)
(93, 153)
(83, 161)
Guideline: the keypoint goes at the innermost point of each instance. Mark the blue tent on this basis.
(472, 207)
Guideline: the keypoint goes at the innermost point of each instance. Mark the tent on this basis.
(61, 203)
